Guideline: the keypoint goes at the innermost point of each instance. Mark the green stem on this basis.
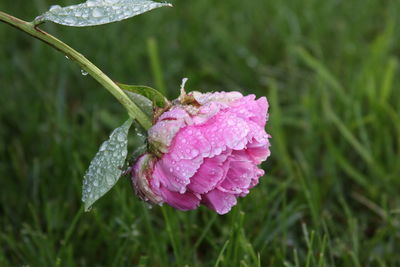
(29, 28)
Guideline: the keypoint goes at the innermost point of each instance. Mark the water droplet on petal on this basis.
(194, 152)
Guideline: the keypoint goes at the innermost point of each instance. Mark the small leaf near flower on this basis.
(106, 167)
(145, 104)
(97, 12)
(155, 96)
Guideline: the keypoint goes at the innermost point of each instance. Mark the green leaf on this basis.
(97, 12)
(155, 96)
(106, 167)
(142, 102)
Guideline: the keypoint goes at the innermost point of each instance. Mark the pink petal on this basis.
(254, 182)
(176, 113)
(163, 132)
(219, 201)
(207, 111)
(175, 175)
(189, 143)
(240, 174)
(212, 171)
(257, 133)
(251, 109)
(186, 201)
(258, 152)
(223, 131)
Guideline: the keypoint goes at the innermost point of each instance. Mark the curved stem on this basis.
(133, 110)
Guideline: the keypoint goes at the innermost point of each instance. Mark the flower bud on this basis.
(204, 150)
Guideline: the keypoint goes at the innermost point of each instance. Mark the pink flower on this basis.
(204, 150)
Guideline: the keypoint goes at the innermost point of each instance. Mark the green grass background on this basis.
(331, 193)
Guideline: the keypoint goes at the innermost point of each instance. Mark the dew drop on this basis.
(111, 1)
(97, 13)
(103, 146)
(91, 3)
(121, 137)
(110, 180)
(54, 7)
(194, 152)
(69, 20)
(84, 73)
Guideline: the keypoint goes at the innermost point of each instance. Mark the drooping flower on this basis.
(204, 150)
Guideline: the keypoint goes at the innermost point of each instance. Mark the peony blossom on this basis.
(205, 149)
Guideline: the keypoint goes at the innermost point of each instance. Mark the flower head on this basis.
(204, 150)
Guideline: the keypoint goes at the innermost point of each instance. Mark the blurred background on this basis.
(331, 193)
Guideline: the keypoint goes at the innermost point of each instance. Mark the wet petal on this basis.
(163, 132)
(240, 174)
(176, 113)
(175, 174)
(207, 111)
(212, 171)
(219, 201)
(225, 130)
(186, 201)
(258, 152)
(251, 109)
(256, 133)
(189, 143)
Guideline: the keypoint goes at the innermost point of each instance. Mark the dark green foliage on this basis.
(331, 194)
